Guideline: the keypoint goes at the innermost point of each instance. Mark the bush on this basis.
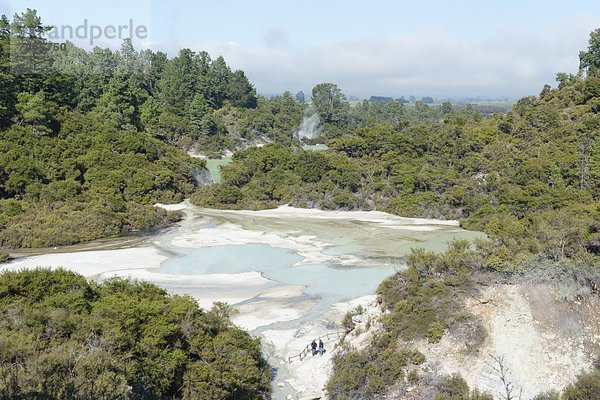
(63, 337)
(413, 376)
(551, 395)
(418, 358)
(586, 387)
(454, 387)
(366, 373)
(420, 305)
(347, 322)
(436, 331)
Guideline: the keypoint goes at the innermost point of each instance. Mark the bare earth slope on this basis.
(542, 340)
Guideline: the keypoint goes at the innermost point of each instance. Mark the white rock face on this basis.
(543, 341)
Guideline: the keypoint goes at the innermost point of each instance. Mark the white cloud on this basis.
(435, 62)
(276, 38)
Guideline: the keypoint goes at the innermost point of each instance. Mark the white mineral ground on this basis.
(287, 316)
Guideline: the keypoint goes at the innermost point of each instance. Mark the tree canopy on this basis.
(528, 178)
(590, 60)
(66, 338)
(91, 140)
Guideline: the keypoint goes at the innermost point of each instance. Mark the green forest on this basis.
(63, 337)
(90, 141)
(530, 179)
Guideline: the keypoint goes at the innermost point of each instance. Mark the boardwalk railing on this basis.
(307, 349)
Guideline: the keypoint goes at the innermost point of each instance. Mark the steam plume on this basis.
(311, 125)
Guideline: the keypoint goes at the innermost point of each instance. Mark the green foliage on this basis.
(454, 387)
(586, 387)
(90, 181)
(264, 177)
(332, 107)
(121, 101)
(413, 376)
(366, 373)
(82, 149)
(550, 395)
(347, 322)
(435, 331)
(38, 111)
(190, 89)
(590, 60)
(420, 303)
(64, 337)
(240, 91)
(275, 119)
(529, 179)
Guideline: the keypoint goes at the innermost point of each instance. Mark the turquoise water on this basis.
(376, 253)
(341, 282)
(315, 147)
(214, 167)
(362, 255)
(230, 259)
(323, 280)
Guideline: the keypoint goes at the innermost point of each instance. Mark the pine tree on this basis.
(240, 91)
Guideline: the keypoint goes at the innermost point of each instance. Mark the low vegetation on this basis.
(364, 374)
(62, 337)
(530, 179)
(420, 303)
(454, 387)
(585, 387)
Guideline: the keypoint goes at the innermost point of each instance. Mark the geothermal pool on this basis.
(285, 270)
(213, 165)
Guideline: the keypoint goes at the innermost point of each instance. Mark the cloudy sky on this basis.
(437, 48)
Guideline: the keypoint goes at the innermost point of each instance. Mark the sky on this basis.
(378, 47)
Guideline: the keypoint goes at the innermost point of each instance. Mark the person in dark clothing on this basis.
(321, 349)
(313, 346)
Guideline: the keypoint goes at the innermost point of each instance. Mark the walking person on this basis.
(321, 347)
(313, 346)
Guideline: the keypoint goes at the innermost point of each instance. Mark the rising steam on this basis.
(311, 125)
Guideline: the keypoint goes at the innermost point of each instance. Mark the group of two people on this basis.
(315, 349)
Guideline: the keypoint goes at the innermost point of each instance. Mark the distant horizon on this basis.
(457, 98)
(508, 49)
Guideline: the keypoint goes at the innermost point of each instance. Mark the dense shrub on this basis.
(65, 338)
(454, 387)
(421, 303)
(365, 373)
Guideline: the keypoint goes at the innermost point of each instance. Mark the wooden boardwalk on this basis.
(306, 350)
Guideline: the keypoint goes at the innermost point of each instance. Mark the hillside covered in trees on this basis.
(89, 141)
(529, 179)
(65, 338)
(532, 178)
